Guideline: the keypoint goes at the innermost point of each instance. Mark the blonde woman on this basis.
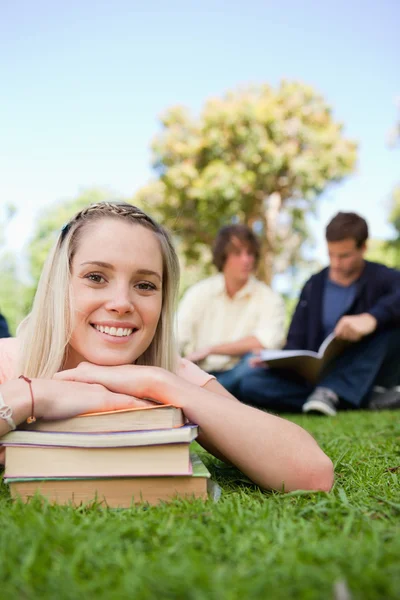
(101, 336)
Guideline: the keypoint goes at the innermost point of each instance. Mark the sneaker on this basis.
(385, 399)
(322, 401)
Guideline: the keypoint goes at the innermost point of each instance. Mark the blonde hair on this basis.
(46, 331)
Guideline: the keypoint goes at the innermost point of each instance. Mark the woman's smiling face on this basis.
(116, 293)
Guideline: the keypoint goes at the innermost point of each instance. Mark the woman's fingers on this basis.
(112, 378)
(123, 379)
(84, 372)
(66, 399)
(120, 401)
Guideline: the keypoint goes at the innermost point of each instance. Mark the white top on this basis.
(208, 316)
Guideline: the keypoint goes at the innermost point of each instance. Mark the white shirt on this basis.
(208, 316)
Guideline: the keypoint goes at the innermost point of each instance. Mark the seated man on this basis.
(360, 302)
(225, 317)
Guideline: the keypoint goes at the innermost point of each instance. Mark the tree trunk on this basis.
(272, 207)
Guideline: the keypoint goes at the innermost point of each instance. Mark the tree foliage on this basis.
(394, 215)
(382, 251)
(394, 219)
(12, 292)
(259, 156)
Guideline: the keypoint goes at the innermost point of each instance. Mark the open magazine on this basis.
(306, 363)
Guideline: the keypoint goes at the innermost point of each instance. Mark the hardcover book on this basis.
(159, 416)
(45, 454)
(115, 492)
(112, 439)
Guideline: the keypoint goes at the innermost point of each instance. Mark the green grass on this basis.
(250, 544)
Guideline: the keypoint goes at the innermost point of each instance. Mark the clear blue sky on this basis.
(84, 81)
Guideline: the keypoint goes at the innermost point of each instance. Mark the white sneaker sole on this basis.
(319, 407)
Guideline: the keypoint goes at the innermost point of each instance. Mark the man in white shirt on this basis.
(223, 319)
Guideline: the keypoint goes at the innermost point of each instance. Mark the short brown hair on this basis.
(223, 243)
(347, 225)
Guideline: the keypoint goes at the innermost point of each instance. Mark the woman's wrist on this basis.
(16, 394)
(41, 389)
(17, 397)
(156, 384)
(165, 387)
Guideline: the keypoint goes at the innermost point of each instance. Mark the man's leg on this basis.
(354, 372)
(231, 378)
(273, 389)
(386, 391)
(389, 373)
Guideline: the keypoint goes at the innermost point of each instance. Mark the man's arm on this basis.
(237, 348)
(355, 327)
(386, 311)
(297, 334)
(384, 314)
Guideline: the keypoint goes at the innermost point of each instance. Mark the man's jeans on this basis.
(375, 360)
(231, 378)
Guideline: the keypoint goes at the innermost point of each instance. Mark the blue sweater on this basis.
(3, 327)
(378, 293)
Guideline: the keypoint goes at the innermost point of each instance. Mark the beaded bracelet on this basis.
(32, 418)
(6, 413)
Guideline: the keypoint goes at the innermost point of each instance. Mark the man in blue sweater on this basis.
(358, 300)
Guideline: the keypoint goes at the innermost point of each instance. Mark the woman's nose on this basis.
(121, 301)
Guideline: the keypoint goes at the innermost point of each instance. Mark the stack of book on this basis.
(116, 458)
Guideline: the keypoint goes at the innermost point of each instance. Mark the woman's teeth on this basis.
(117, 331)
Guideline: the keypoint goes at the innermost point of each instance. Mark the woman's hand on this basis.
(64, 399)
(139, 381)
(87, 372)
(61, 400)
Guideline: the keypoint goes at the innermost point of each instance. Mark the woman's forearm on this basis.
(271, 451)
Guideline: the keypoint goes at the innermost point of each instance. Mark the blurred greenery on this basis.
(384, 252)
(259, 156)
(393, 246)
(12, 290)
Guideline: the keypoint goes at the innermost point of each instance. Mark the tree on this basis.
(382, 251)
(258, 155)
(394, 218)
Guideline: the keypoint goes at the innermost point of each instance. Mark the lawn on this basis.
(250, 544)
